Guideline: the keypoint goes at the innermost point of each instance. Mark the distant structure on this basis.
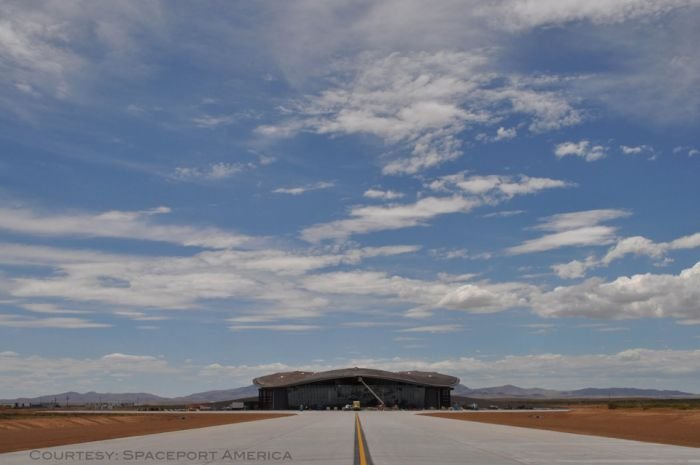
(339, 388)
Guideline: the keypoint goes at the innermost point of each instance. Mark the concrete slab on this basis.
(406, 438)
(310, 438)
(392, 438)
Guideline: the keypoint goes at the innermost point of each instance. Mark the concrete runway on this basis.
(405, 438)
(390, 438)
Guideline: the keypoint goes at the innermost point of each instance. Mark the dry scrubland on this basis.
(22, 430)
(653, 421)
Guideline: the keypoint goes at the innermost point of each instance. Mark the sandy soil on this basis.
(666, 426)
(40, 430)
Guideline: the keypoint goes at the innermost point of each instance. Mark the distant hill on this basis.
(508, 390)
(220, 395)
(91, 398)
(515, 392)
(497, 392)
(626, 392)
(73, 398)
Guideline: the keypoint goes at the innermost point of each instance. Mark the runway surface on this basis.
(386, 437)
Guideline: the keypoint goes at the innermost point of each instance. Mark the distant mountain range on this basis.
(497, 392)
(514, 392)
(137, 397)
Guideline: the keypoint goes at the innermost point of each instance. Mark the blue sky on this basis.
(195, 195)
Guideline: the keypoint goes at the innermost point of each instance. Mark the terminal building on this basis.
(338, 388)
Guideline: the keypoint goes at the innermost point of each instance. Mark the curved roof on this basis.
(293, 378)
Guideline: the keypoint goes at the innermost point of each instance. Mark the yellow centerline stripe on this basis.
(360, 443)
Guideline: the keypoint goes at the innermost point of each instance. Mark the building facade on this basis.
(372, 388)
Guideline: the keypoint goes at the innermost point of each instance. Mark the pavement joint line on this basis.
(362, 455)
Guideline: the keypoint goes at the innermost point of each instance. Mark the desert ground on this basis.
(22, 430)
(662, 425)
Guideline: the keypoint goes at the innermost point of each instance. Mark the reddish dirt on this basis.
(37, 430)
(666, 426)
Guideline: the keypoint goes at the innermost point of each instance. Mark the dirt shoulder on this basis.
(666, 426)
(38, 430)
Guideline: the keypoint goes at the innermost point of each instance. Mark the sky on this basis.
(196, 194)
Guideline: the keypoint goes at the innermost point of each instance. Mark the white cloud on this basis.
(485, 297)
(636, 150)
(456, 278)
(210, 121)
(638, 296)
(421, 102)
(244, 374)
(579, 219)
(538, 325)
(574, 229)
(584, 149)
(27, 89)
(278, 285)
(33, 375)
(368, 324)
(481, 190)
(495, 187)
(43, 45)
(645, 150)
(589, 236)
(137, 225)
(690, 151)
(267, 279)
(214, 172)
(51, 309)
(611, 329)
(15, 321)
(265, 160)
(548, 110)
(526, 14)
(653, 43)
(375, 283)
(505, 134)
(285, 328)
(631, 150)
(223, 170)
(686, 242)
(135, 109)
(638, 366)
(303, 189)
(575, 268)
(635, 245)
(382, 195)
(451, 254)
(661, 369)
(401, 99)
(465, 23)
(119, 358)
(433, 329)
(503, 214)
(139, 316)
(40, 375)
(448, 292)
(366, 219)
(21, 254)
